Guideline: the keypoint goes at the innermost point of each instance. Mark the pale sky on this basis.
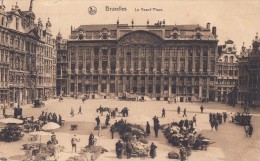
(238, 20)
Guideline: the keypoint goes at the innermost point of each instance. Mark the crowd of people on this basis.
(51, 117)
(217, 118)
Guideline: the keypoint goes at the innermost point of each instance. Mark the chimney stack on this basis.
(214, 31)
(208, 26)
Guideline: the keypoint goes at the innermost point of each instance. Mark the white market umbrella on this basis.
(11, 121)
(51, 126)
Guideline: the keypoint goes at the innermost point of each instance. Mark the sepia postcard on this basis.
(108, 80)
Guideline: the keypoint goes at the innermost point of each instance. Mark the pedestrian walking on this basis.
(74, 141)
(212, 124)
(60, 120)
(250, 130)
(107, 120)
(201, 109)
(72, 112)
(112, 130)
(119, 149)
(194, 119)
(163, 112)
(80, 110)
(225, 117)
(147, 130)
(216, 124)
(178, 110)
(156, 129)
(231, 120)
(153, 150)
(98, 121)
(184, 113)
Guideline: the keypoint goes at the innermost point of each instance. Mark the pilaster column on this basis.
(124, 83)
(154, 86)
(108, 84)
(117, 60)
(92, 60)
(100, 60)
(108, 60)
(169, 87)
(162, 59)
(162, 86)
(131, 83)
(116, 85)
(200, 87)
(201, 59)
(170, 62)
(146, 84)
(138, 84)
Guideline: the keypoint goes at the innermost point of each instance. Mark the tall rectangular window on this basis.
(88, 53)
(80, 53)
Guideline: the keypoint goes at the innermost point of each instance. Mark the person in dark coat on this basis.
(60, 120)
(98, 121)
(107, 120)
(225, 116)
(178, 110)
(119, 149)
(212, 124)
(112, 130)
(216, 124)
(129, 149)
(250, 130)
(163, 112)
(210, 117)
(153, 150)
(156, 130)
(184, 113)
(201, 109)
(91, 139)
(80, 110)
(148, 131)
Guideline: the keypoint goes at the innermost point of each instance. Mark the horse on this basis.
(124, 111)
(103, 109)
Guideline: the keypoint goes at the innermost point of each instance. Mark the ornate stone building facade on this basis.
(227, 71)
(243, 74)
(254, 73)
(62, 65)
(160, 61)
(28, 61)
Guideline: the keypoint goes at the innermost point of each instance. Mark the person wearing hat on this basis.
(74, 141)
(119, 149)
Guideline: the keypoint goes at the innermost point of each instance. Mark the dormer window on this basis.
(198, 36)
(81, 33)
(104, 34)
(175, 33)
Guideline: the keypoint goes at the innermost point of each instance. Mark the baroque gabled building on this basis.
(227, 72)
(160, 61)
(254, 73)
(62, 65)
(28, 54)
(243, 74)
